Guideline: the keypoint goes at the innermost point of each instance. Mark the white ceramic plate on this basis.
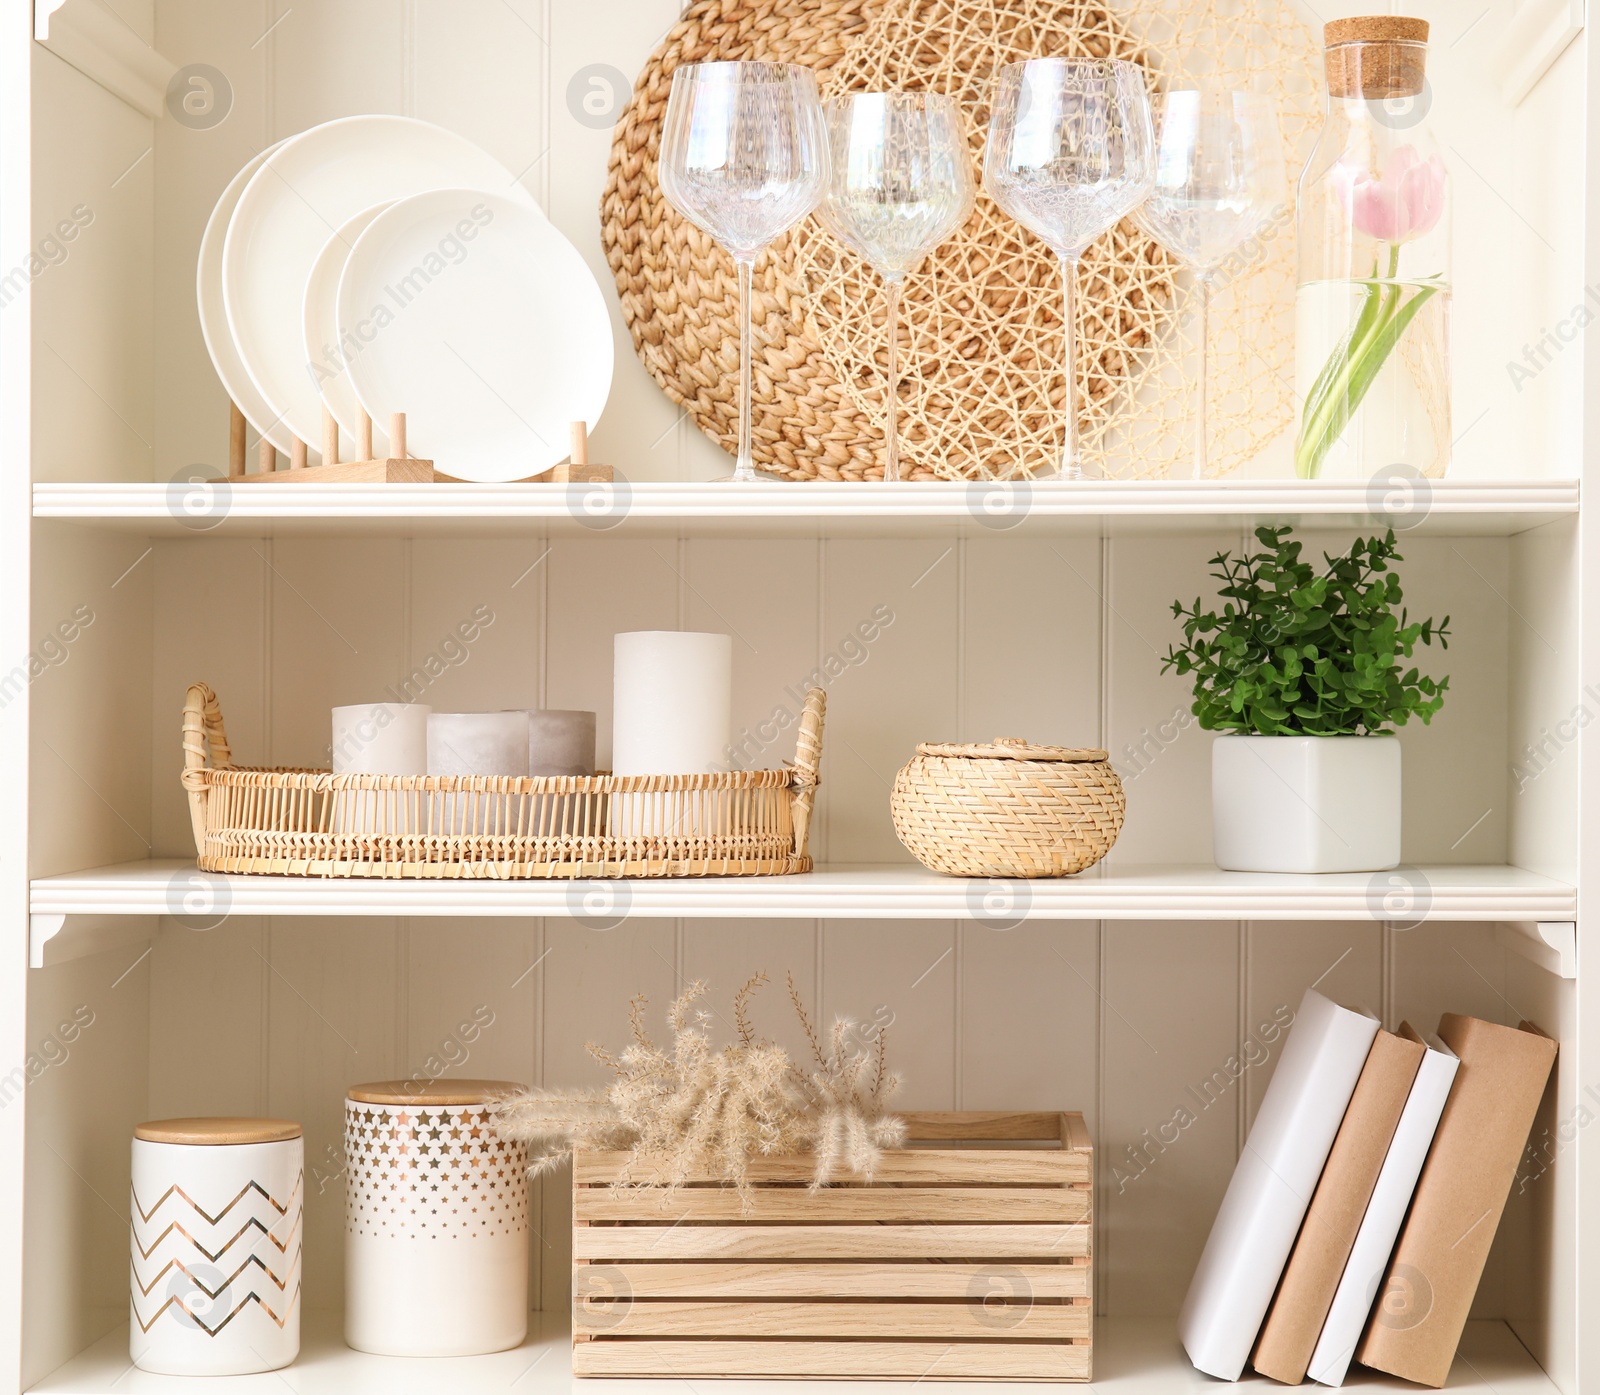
(484, 325)
(213, 313)
(324, 352)
(307, 188)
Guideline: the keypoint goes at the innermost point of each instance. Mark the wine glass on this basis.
(900, 183)
(1071, 153)
(744, 157)
(1219, 177)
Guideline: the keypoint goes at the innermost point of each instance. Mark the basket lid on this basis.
(432, 1091)
(216, 1133)
(1008, 748)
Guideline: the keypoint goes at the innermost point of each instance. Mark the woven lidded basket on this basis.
(1007, 809)
(312, 823)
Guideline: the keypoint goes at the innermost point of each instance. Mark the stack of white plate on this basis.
(379, 264)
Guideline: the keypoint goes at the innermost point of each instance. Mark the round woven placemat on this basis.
(981, 333)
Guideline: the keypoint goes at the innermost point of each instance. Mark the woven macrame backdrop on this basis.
(981, 339)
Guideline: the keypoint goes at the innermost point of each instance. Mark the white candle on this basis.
(377, 738)
(672, 703)
(477, 743)
(380, 738)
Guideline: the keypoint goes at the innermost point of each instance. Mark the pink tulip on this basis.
(1405, 203)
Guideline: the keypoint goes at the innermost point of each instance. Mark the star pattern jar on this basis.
(436, 1220)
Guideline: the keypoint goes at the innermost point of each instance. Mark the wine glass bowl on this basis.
(1071, 152)
(900, 183)
(1219, 175)
(744, 158)
(1070, 147)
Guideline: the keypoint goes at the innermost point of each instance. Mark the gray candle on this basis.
(560, 743)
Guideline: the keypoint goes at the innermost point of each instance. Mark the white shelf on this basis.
(838, 892)
(1092, 507)
(1134, 1356)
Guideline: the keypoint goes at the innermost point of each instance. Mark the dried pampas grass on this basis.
(692, 1110)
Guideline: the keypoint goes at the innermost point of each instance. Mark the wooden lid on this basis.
(1375, 29)
(432, 1091)
(1008, 748)
(217, 1132)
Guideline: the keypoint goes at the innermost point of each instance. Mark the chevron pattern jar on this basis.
(216, 1246)
(436, 1220)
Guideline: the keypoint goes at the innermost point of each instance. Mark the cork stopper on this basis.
(1375, 57)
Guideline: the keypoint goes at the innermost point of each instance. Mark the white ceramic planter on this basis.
(216, 1246)
(436, 1221)
(1305, 803)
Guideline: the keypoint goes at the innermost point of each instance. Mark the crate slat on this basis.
(827, 1280)
(974, 1321)
(865, 1360)
(999, 1242)
(908, 1204)
(968, 1259)
(1041, 1166)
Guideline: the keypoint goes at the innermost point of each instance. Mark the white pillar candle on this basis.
(672, 703)
(477, 743)
(672, 714)
(378, 738)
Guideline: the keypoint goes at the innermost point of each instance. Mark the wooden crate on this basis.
(968, 1261)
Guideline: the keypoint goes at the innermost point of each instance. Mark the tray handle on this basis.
(205, 747)
(807, 762)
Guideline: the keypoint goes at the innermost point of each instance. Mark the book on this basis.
(1310, 1279)
(1266, 1200)
(1369, 1256)
(1433, 1274)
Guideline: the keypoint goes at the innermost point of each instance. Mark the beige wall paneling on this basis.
(85, 1097)
(590, 972)
(1343, 961)
(327, 61)
(762, 594)
(1169, 996)
(727, 953)
(599, 588)
(89, 698)
(340, 631)
(908, 968)
(1455, 767)
(331, 991)
(92, 310)
(904, 692)
(1550, 704)
(1161, 753)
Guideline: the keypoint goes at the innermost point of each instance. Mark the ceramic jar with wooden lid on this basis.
(1006, 808)
(436, 1220)
(216, 1239)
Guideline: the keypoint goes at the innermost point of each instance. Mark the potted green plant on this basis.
(1304, 670)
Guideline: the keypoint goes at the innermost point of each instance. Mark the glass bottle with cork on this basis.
(1372, 312)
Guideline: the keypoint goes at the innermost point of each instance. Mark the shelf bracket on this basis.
(54, 939)
(91, 38)
(1551, 944)
(1538, 34)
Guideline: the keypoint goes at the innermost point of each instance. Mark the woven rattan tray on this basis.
(312, 823)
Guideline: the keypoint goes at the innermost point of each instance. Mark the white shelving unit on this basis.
(1133, 1356)
(930, 611)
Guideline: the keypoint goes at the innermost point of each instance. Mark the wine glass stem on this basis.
(891, 470)
(1202, 287)
(744, 471)
(1071, 466)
